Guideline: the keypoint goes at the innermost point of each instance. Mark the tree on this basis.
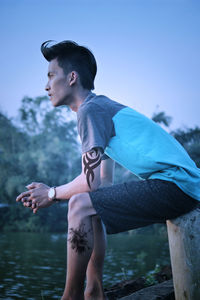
(42, 146)
(53, 148)
(162, 118)
(12, 142)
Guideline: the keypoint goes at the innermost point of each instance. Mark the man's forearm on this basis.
(76, 186)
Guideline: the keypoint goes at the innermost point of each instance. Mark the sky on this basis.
(147, 51)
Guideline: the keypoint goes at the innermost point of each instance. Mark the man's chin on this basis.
(54, 103)
(57, 103)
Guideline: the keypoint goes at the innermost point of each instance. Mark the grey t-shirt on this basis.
(95, 125)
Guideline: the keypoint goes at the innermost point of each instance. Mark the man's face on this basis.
(58, 86)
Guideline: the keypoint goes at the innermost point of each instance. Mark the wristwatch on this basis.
(52, 194)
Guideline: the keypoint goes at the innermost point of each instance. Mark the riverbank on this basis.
(159, 286)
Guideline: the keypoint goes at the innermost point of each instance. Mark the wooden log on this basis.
(184, 245)
(159, 291)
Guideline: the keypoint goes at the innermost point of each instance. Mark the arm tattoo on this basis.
(91, 160)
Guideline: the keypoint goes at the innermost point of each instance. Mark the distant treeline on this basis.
(42, 145)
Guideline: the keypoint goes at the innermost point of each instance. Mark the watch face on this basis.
(51, 193)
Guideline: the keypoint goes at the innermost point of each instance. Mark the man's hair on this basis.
(72, 57)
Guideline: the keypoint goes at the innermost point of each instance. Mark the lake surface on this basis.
(33, 265)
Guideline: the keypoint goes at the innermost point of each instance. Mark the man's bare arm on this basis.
(94, 172)
(107, 172)
(88, 180)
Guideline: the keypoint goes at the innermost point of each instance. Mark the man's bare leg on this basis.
(94, 287)
(79, 245)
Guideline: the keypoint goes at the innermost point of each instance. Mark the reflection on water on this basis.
(33, 266)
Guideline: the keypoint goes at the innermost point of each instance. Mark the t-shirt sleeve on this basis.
(104, 157)
(94, 127)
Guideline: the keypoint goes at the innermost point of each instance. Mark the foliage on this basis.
(162, 118)
(12, 143)
(41, 146)
(150, 277)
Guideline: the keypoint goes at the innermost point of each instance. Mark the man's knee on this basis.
(80, 206)
(75, 205)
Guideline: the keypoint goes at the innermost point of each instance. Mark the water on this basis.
(33, 265)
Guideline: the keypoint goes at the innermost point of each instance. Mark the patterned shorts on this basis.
(139, 203)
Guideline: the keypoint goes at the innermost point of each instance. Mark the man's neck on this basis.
(78, 99)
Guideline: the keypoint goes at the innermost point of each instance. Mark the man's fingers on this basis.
(27, 204)
(33, 205)
(35, 210)
(22, 195)
(25, 199)
(19, 197)
(33, 185)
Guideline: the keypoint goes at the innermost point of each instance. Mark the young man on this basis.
(170, 180)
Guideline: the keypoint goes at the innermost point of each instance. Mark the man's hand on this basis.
(36, 197)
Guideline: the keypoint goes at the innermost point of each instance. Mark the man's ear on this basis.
(73, 77)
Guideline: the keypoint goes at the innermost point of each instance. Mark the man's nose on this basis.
(47, 87)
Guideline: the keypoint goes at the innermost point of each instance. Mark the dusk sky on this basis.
(147, 52)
